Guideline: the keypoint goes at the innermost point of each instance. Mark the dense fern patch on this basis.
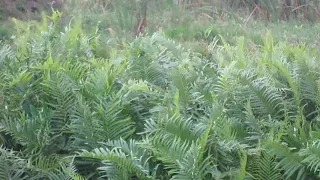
(76, 106)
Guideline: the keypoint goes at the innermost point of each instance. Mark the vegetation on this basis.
(95, 98)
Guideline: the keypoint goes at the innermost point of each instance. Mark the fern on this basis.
(122, 156)
(180, 81)
(11, 166)
(6, 55)
(103, 79)
(142, 66)
(311, 157)
(171, 126)
(264, 97)
(32, 132)
(289, 161)
(152, 109)
(64, 172)
(191, 168)
(99, 122)
(262, 165)
(60, 96)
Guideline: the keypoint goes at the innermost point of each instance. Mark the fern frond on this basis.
(32, 132)
(264, 97)
(311, 157)
(142, 64)
(102, 80)
(100, 121)
(6, 54)
(182, 83)
(11, 166)
(64, 172)
(287, 74)
(170, 126)
(289, 161)
(84, 125)
(194, 164)
(170, 150)
(121, 158)
(8, 171)
(190, 167)
(262, 165)
(44, 163)
(76, 71)
(60, 95)
(114, 123)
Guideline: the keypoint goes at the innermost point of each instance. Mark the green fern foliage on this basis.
(262, 165)
(76, 106)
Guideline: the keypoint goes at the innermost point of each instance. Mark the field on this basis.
(160, 90)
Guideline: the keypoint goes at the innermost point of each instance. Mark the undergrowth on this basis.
(77, 105)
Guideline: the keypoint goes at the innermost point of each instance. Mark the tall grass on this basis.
(121, 18)
(274, 10)
(118, 20)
